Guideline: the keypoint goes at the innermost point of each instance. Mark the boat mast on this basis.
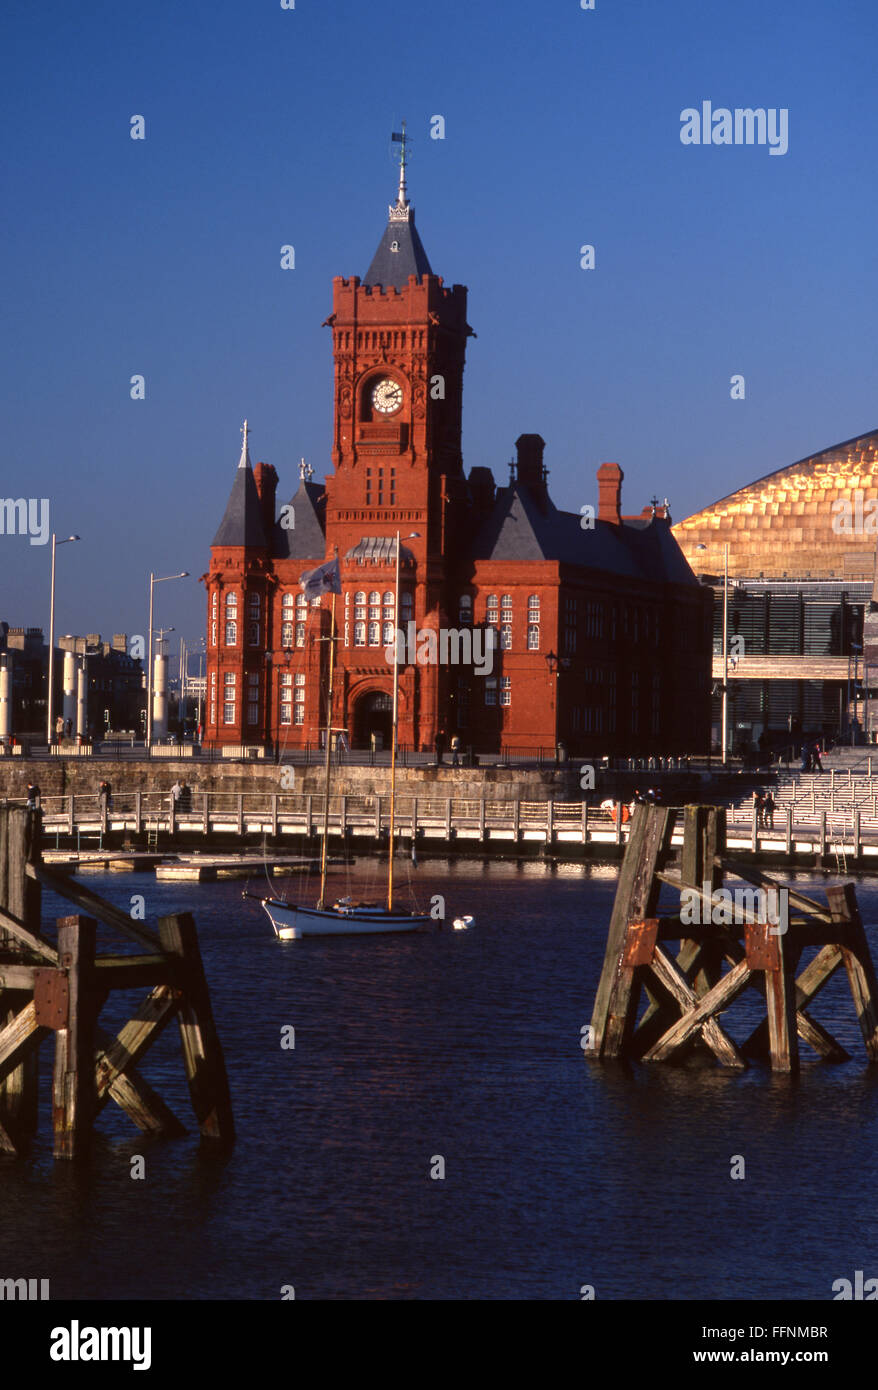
(393, 732)
(328, 736)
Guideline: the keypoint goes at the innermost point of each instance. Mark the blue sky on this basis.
(267, 127)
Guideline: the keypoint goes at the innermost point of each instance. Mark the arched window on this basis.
(388, 604)
(360, 605)
(359, 634)
(533, 637)
(288, 603)
(506, 637)
(286, 634)
(374, 631)
(387, 637)
(231, 634)
(533, 608)
(492, 609)
(506, 605)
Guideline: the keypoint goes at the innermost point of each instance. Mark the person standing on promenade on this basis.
(768, 804)
(816, 764)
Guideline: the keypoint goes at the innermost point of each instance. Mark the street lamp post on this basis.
(163, 579)
(725, 687)
(50, 702)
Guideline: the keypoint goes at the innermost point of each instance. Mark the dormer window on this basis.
(394, 246)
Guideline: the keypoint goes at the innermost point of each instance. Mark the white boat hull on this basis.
(291, 922)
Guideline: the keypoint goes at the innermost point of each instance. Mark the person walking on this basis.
(33, 798)
(768, 804)
(816, 764)
(759, 807)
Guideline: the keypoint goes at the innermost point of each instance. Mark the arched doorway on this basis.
(373, 714)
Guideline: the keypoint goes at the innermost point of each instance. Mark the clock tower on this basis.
(399, 339)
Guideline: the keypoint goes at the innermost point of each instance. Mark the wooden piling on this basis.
(202, 1052)
(73, 1088)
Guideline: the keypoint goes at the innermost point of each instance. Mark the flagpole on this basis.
(328, 753)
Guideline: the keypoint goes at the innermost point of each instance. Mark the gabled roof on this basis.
(242, 523)
(306, 539)
(392, 268)
(520, 529)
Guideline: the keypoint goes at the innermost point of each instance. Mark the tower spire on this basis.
(245, 452)
(399, 212)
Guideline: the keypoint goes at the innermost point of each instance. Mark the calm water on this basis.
(464, 1045)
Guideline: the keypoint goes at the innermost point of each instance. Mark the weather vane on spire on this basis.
(305, 470)
(400, 212)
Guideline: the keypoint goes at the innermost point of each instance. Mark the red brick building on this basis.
(602, 634)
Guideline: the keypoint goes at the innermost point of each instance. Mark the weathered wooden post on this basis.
(202, 1053)
(73, 1088)
(20, 898)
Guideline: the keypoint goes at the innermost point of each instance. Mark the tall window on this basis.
(533, 608)
(506, 607)
(214, 610)
(213, 697)
(360, 605)
(533, 637)
(406, 607)
(253, 697)
(287, 611)
(492, 609)
(491, 690)
(387, 602)
(300, 698)
(375, 634)
(569, 626)
(231, 620)
(229, 697)
(286, 685)
(506, 637)
(506, 690)
(359, 634)
(301, 619)
(465, 611)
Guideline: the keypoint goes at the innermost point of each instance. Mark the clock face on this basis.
(386, 396)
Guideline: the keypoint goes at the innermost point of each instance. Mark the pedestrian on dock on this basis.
(759, 808)
(768, 804)
(104, 792)
(455, 751)
(816, 764)
(439, 746)
(33, 798)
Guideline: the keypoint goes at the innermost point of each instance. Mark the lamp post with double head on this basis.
(163, 579)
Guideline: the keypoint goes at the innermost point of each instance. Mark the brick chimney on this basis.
(265, 477)
(610, 478)
(529, 467)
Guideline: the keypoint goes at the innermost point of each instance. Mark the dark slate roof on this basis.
(306, 540)
(393, 268)
(520, 529)
(242, 523)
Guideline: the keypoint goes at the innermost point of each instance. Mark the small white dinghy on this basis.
(344, 918)
(463, 923)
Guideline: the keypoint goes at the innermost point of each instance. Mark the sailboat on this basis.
(345, 917)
